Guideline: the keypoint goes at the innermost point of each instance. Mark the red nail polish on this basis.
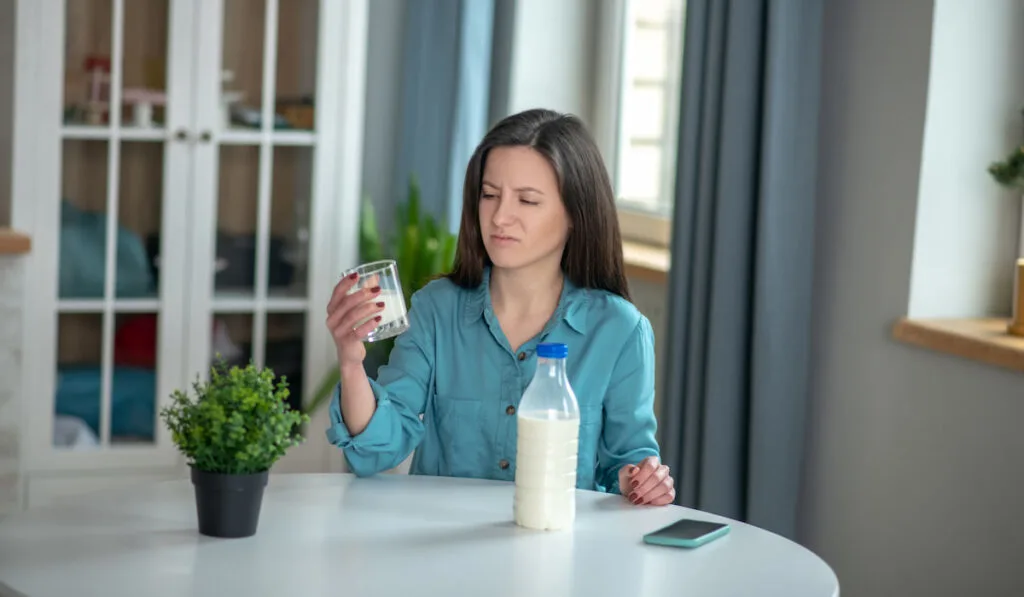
(635, 483)
(375, 289)
(380, 304)
(632, 497)
(353, 276)
(377, 318)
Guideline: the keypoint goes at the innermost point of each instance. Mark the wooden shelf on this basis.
(14, 243)
(646, 262)
(984, 340)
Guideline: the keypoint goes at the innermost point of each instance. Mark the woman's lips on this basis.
(503, 240)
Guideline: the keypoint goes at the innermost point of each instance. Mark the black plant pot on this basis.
(228, 506)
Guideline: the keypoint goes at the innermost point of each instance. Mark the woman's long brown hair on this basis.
(593, 251)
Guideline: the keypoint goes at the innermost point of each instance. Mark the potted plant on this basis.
(1009, 173)
(423, 249)
(235, 427)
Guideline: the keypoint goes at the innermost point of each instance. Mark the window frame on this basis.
(647, 227)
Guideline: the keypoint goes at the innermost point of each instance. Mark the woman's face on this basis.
(522, 219)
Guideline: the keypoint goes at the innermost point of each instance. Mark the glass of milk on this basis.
(547, 443)
(394, 318)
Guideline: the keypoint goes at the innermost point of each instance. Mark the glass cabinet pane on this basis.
(144, 75)
(87, 61)
(284, 351)
(231, 340)
(140, 213)
(295, 84)
(290, 220)
(235, 250)
(83, 225)
(133, 396)
(242, 63)
(79, 371)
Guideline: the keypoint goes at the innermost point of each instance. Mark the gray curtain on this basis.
(737, 379)
(445, 98)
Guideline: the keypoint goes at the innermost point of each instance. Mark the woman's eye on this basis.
(488, 196)
(527, 202)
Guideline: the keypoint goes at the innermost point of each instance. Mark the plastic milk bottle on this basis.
(547, 442)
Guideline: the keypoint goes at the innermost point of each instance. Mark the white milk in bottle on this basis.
(546, 445)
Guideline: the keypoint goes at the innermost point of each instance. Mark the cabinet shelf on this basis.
(223, 302)
(286, 301)
(255, 137)
(90, 305)
(105, 133)
(226, 137)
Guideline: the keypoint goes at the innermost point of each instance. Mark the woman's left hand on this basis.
(648, 483)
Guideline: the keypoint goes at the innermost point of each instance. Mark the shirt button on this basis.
(522, 356)
(503, 464)
(511, 410)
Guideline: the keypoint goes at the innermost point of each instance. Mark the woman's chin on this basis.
(506, 263)
(505, 259)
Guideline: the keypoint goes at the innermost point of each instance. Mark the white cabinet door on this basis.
(278, 84)
(109, 86)
(193, 188)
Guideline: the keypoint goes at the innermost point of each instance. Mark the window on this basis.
(639, 80)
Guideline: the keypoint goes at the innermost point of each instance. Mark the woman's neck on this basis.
(525, 292)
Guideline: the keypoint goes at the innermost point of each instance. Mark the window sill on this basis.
(985, 340)
(646, 262)
(14, 243)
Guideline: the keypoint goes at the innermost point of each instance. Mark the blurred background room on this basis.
(809, 221)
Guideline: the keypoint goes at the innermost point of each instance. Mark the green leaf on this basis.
(413, 211)
(370, 245)
(448, 254)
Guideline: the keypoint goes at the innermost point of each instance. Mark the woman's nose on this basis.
(504, 214)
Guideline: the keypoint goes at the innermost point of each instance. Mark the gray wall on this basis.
(6, 106)
(914, 482)
(383, 94)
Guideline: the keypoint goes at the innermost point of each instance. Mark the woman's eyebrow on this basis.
(520, 189)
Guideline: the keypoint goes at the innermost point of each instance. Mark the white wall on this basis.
(11, 285)
(915, 478)
(552, 63)
(967, 235)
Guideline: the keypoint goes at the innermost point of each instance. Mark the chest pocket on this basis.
(460, 429)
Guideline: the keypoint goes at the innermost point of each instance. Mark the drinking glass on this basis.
(394, 318)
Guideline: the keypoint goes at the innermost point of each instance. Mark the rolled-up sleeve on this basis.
(628, 433)
(401, 391)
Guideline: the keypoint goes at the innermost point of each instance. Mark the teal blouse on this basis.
(452, 385)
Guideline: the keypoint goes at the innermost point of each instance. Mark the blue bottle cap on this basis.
(552, 350)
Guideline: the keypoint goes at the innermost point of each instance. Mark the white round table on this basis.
(385, 535)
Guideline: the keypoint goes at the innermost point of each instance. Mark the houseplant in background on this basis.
(235, 427)
(1009, 173)
(423, 249)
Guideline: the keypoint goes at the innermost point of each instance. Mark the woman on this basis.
(539, 259)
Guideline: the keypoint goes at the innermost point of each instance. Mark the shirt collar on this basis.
(570, 307)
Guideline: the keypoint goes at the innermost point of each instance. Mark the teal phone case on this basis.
(656, 539)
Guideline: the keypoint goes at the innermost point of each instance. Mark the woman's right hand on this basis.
(344, 312)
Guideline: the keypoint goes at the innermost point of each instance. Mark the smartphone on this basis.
(687, 533)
